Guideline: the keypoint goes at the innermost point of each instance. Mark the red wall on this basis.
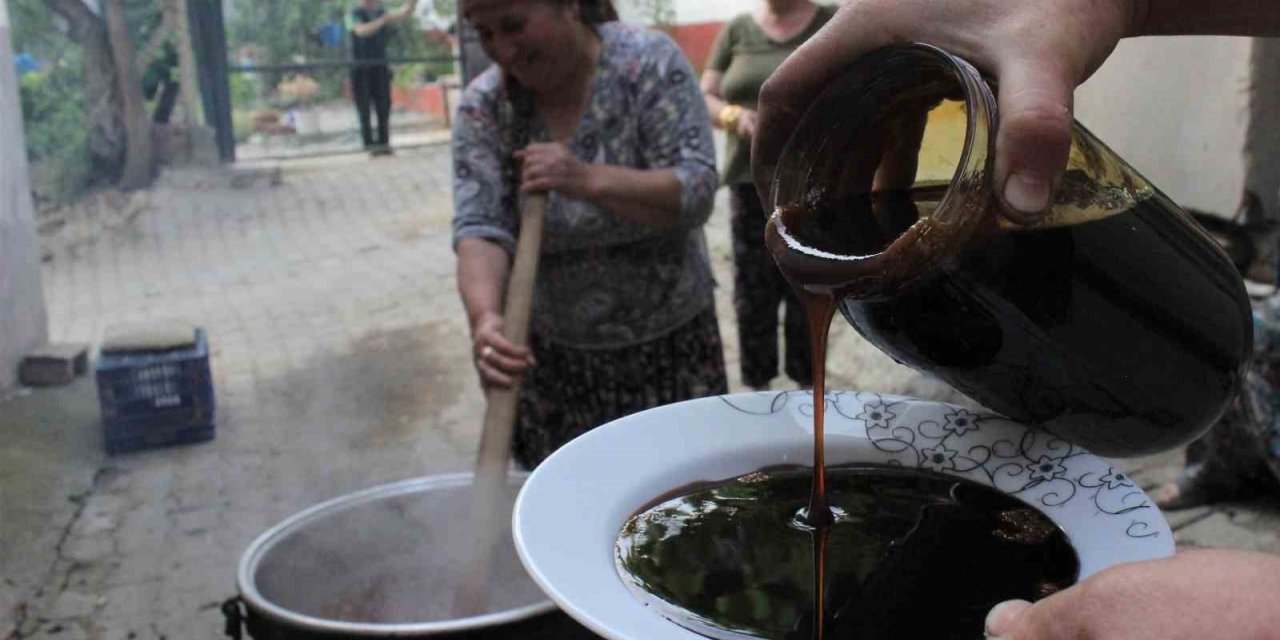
(428, 98)
(696, 40)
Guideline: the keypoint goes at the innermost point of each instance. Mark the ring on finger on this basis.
(486, 352)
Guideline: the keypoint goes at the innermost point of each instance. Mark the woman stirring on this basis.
(746, 52)
(616, 132)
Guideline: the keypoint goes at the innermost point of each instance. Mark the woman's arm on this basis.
(483, 269)
(675, 145)
(725, 115)
(652, 198)
(676, 187)
(648, 197)
(732, 118)
(710, 86)
(485, 229)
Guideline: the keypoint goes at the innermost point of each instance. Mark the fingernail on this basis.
(1002, 617)
(1026, 194)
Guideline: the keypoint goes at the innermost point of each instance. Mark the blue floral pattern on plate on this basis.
(1041, 469)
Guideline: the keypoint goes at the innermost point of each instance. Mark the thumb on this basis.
(1062, 616)
(1034, 141)
(1004, 617)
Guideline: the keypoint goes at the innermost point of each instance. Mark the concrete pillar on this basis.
(23, 319)
(1262, 148)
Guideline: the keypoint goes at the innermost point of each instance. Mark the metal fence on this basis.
(289, 94)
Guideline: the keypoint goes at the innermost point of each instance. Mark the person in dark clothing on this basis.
(371, 77)
(748, 49)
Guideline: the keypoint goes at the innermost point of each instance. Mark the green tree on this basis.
(659, 13)
(96, 49)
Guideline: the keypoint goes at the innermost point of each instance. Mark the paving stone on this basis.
(89, 549)
(1183, 518)
(123, 629)
(58, 630)
(139, 600)
(73, 604)
(135, 568)
(1252, 527)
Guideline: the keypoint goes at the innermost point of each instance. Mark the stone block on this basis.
(54, 364)
(1250, 527)
(71, 604)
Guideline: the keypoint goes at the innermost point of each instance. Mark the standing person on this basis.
(623, 316)
(371, 77)
(746, 52)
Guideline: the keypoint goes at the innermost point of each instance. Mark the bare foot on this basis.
(1167, 494)
(1173, 496)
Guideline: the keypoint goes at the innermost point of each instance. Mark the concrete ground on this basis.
(341, 362)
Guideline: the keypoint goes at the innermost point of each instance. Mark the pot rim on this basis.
(264, 543)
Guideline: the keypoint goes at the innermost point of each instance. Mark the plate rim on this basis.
(1158, 543)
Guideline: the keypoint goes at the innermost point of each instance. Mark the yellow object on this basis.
(728, 117)
(943, 143)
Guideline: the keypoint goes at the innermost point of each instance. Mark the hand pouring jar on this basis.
(1115, 322)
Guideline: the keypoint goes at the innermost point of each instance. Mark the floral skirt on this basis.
(758, 290)
(572, 391)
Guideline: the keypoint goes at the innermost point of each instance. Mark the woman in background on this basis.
(747, 51)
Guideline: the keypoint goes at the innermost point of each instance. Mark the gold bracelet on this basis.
(729, 117)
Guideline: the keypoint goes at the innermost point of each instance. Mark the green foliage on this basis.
(143, 17)
(32, 24)
(52, 99)
(242, 124)
(244, 90)
(53, 116)
(280, 30)
(445, 8)
(48, 100)
(659, 13)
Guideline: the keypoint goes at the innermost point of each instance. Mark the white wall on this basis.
(699, 11)
(1177, 109)
(23, 323)
(696, 11)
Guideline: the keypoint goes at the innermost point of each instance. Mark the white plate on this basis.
(571, 509)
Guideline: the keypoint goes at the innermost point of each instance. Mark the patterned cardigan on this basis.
(603, 282)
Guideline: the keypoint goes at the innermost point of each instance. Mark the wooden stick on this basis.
(490, 482)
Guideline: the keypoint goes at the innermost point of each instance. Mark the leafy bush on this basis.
(54, 124)
(242, 124)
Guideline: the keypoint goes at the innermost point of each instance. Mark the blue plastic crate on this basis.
(156, 398)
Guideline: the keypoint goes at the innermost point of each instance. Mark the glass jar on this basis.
(1115, 322)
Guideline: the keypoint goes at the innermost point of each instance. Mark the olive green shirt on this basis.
(747, 57)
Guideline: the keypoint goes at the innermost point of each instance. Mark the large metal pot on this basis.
(367, 565)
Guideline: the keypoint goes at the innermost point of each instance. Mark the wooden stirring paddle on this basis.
(490, 483)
